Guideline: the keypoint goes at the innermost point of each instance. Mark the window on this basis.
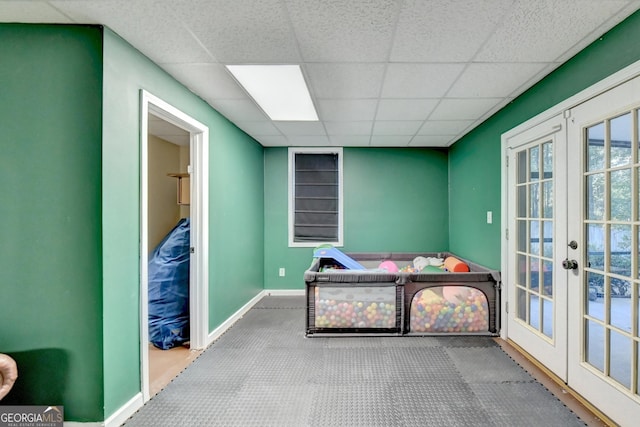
(315, 196)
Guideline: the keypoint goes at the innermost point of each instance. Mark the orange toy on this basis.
(454, 265)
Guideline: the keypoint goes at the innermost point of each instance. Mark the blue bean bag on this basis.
(169, 289)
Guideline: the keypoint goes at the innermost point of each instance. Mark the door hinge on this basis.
(506, 161)
(192, 250)
(506, 306)
(506, 234)
(189, 169)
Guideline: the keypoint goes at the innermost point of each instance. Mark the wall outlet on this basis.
(489, 217)
(281, 272)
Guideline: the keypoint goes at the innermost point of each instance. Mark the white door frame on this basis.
(550, 350)
(624, 409)
(628, 73)
(602, 86)
(199, 212)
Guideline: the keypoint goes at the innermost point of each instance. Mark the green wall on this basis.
(50, 250)
(474, 161)
(70, 174)
(394, 200)
(236, 210)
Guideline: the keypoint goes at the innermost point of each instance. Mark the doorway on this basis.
(572, 244)
(174, 186)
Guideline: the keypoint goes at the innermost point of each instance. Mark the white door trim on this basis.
(549, 347)
(199, 268)
(599, 398)
(616, 79)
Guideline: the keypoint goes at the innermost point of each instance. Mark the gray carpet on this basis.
(264, 372)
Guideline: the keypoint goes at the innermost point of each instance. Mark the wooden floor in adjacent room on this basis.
(165, 365)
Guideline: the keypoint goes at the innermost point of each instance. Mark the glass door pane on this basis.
(611, 230)
(535, 226)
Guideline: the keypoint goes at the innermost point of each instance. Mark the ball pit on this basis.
(449, 309)
(359, 308)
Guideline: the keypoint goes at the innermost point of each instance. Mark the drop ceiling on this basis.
(393, 73)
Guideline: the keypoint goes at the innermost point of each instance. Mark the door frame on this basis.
(199, 213)
(624, 75)
(619, 77)
(551, 350)
(584, 376)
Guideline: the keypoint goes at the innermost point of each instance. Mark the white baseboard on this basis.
(118, 417)
(284, 292)
(215, 334)
(129, 408)
(125, 411)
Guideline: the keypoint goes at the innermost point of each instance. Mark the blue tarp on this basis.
(169, 289)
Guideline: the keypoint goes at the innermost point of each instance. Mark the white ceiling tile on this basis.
(310, 128)
(542, 31)
(390, 140)
(309, 141)
(612, 21)
(345, 31)
(262, 128)
(493, 80)
(238, 109)
(462, 109)
(350, 140)
(209, 80)
(238, 32)
(349, 128)
(444, 127)
(399, 62)
(431, 141)
(396, 127)
(419, 80)
(151, 26)
(31, 12)
(272, 140)
(405, 109)
(445, 31)
(345, 80)
(340, 110)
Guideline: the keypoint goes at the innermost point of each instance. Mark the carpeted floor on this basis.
(264, 372)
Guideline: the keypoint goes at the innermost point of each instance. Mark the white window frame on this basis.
(291, 197)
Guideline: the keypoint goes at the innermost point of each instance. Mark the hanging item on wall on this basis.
(184, 187)
(169, 288)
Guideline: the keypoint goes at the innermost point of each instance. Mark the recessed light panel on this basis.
(280, 90)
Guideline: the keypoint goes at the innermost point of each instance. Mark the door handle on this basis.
(570, 264)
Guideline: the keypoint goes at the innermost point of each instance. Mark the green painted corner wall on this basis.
(50, 250)
(236, 222)
(394, 200)
(474, 161)
(236, 210)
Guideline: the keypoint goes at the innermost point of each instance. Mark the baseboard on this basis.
(283, 292)
(124, 412)
(217, 332)
(129, 408)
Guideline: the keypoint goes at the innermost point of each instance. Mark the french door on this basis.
(604, 348)
(573, 247)
(537, 243)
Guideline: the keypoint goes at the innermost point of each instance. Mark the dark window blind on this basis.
(316, 197)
